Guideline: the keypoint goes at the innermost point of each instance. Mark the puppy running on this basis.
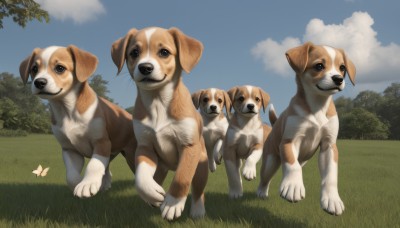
(309, 122)
(168, 127)
(245, 136)
(85, 125)
(211, 103)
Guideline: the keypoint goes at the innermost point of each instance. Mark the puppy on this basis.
(85, 125)
(168, 127)
(245, 136)
(211, 103)
(309, 122)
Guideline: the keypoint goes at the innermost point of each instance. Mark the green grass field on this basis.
(369, 183)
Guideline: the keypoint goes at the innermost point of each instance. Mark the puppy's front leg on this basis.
(175, 199)
(218, 151)
(73, 163)
(249, 169)
(292, 187)
(232, 166)
(328, 166)
(95, 170)
(147, 187)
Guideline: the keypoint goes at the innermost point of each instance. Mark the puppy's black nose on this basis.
(146, 68)
(337, 79)
(250, 107)
(213, 107)
(40, 83)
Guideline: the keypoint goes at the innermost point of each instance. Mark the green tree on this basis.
(343, 105)
(19, 109)
(368, 100)
(390, 109)
(99, 85)
(362, 124)
(22, 11)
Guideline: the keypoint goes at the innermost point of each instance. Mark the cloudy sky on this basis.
(244, 41)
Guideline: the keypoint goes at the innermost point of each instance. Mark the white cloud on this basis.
(374, 62)
(79, 11)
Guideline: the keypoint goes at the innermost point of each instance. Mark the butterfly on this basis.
(40, 172)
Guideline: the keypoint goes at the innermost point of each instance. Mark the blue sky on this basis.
(244, 41)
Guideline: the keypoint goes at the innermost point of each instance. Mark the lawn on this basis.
(369, 183)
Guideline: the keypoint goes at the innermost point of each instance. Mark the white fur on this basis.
(92, 179)
(292, 187)
(197, 209)
(73, 163)
(172, 207)
(234, 179)
(147, 188)
(249, 168)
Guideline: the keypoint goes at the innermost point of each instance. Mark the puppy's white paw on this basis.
(197, 209)
(262, 192)
(217, 158)
(150, 191)
(88, 187)
(212, 166)
(235, 193)
(292, 189)
(106, 182)
(172, 207)
(331, 203)
(249, 171)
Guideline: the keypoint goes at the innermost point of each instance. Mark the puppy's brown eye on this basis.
(342, 68)
(135, 53)
(319, 67)
(164, 53)
(34, 70)
(241, 99)
(205, 100)
(257, 99)
(59, 69)
(219, 100)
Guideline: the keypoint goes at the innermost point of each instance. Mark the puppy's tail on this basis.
(272, 115)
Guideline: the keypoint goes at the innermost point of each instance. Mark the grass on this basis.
(368, 184)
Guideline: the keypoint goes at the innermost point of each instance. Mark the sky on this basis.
(244, 41)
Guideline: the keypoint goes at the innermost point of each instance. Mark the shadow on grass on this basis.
(53, 205)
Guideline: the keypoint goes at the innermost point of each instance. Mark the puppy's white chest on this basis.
(79, 134)
(215, 130)
(166, 137)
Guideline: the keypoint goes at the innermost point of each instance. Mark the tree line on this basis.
(370, 115)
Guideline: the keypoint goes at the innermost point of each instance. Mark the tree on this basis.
(22, 11)
(368, 100)
(19, 109)
(390, 109)
(99, 85)
(343, 105)
(362, 124)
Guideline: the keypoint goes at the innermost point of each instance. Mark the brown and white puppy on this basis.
(168, 127)
(85, 125)
(245, 136)
(211, 103)
(309, 122)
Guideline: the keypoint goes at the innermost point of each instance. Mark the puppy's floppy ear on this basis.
(196, 98)
(231, 95)
(118, 49)
(189, 49)
(264, 98)
(227, 102)
(26, 65)
(85, 63)
(298, 57)
(350, 68)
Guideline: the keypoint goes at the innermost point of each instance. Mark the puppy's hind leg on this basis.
(270, 164)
